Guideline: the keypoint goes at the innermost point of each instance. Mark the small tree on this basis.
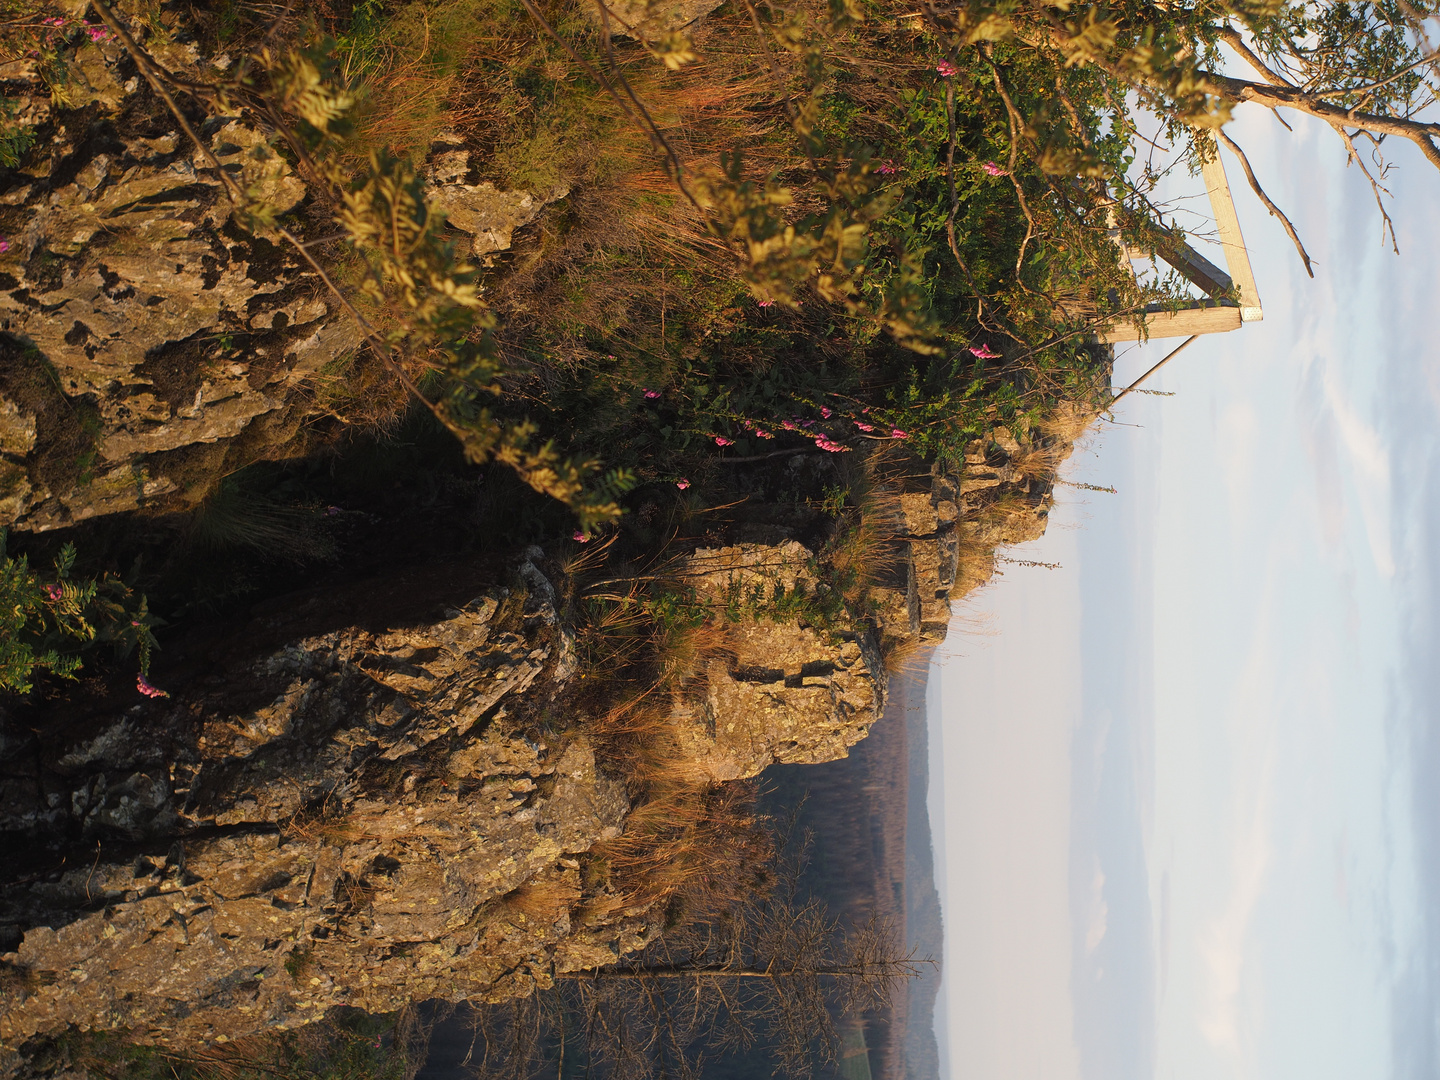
(772, 976)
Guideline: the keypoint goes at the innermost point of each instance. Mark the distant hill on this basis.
(870, 853)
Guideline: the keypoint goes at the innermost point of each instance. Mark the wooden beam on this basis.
(1227, 223)
(1196, 269)
(1201, 319)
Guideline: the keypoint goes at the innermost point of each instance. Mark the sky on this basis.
(1185, 789)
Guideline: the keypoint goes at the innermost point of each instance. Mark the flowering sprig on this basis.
(143, 685)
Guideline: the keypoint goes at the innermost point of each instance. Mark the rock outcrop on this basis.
(784, 691)
(337, 821)
(373, 810)
(148, 345)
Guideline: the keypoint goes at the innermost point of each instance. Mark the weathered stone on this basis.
(293, 842)
(647, 20)
(785, 692)
(491, 216)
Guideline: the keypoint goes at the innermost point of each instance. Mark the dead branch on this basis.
(1275, 211)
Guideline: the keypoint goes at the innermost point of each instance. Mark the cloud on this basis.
(1222, 942)
(1099, 912)
(1371, 460)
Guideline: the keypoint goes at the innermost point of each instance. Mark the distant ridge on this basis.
(871, 853)
(923, 930)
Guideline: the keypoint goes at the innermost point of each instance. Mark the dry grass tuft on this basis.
(907, 655)
(543, 899)
(700, 844)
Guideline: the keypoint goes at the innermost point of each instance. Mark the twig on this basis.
(1275, 211)
(1017, 126)
(955, 204)
(643, 119)
(1376, 188)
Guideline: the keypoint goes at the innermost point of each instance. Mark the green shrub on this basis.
(48, 621)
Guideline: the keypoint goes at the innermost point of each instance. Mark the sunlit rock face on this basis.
(336, 821)
(148, 344)
(366, 798)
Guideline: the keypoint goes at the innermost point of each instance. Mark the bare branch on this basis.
(1275, 211)
(1375, 186)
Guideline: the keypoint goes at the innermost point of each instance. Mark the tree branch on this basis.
(1275, 211)
(1421, 134)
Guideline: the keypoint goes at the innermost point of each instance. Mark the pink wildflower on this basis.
(748, 425)
(807, 423)
(993, 170)
(767, 303)
(826, 413)
(887, 168)
(682, 483)
(55, 592)
(896, 433)
(97, 33)
(53, 22)
(4, 245)
(143, 685)
(982, 352)
(765, 434)
(581, 538)
(946, 69)
(833, 447)
(788, 425)
(864, 426)
(651, 395)
(720, 440)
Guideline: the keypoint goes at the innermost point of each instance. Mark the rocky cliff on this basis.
(387, 791)
(367, 797)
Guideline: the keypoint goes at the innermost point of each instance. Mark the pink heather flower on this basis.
(993, 170)
(946, 69)
(55, 592)
(143, 685)
(765, 434)
(97, 33)
(767, 303)
(864, 426)
(807, 423)
(682, 483)
(651, 395)
(581, 538)
(748, 425)
(788, 425)
(982, 352)
(826, 413)
(720, 440)
(53, 22)
(4, 245)
(887, 168)
(896, 433)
